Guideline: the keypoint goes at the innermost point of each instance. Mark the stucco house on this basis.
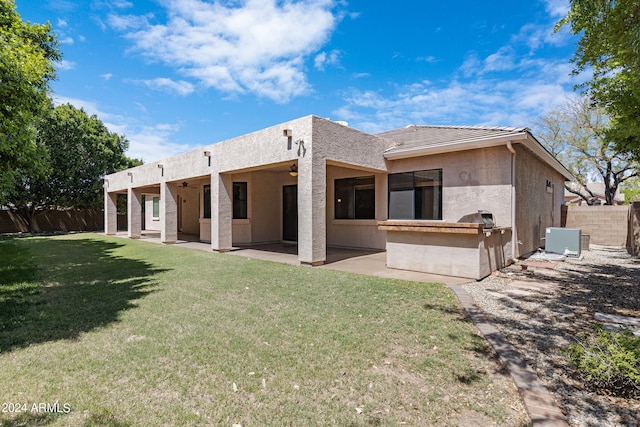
(323, 184)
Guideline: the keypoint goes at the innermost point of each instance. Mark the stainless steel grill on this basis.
(480, 217)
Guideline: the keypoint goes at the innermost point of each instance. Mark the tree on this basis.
(578, 135)
(609, 46)
(631, 190)
(27, 56)
(80, 151)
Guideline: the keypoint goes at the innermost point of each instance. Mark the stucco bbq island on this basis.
(403, 191)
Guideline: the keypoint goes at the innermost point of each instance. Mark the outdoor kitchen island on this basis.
(450, 248)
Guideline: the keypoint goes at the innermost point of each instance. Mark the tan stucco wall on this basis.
(189, 197)
(253, 150)
(471, 180)
(252, 158)
(149, 222)
(323, 150)
(356, 233)
(461, 255)
(536, 208)
(265, 195)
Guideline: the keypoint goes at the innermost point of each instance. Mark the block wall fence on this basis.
(606, 225)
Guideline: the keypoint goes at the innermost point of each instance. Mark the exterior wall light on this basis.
(287, 132)
(293, 170)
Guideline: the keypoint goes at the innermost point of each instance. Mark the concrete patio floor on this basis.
(360, 261)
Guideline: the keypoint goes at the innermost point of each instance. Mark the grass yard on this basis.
(97, 330)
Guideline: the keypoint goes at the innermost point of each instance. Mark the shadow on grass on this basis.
(31, 419)
(45, 419)
(53, 289)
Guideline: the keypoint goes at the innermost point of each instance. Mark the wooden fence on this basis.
(53, 221)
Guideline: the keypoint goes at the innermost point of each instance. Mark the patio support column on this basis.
(168, 213)
(221, 212)
(312, 207)
(134, 213)
(110, 213)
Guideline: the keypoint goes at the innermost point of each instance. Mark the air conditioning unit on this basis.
(564, 241)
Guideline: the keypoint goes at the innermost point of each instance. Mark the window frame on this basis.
(156, 207)
(354, 210)
(206, 201)
(409, 188)
(240, 206)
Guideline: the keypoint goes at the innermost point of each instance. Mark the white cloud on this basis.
(430, 59)
(500, 89)
(66, 65)
(557, 8)
(152, 143)
(323, 59)
(106, 76)
(239, 46)
(113, 4)
(503, 60)
(360, 75)
(162, 83)
(149, 142)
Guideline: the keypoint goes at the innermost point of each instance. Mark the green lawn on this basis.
(121, 332)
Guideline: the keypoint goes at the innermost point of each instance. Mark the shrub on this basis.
(607, 362)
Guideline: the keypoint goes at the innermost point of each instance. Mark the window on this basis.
(355, 198)
(239, 200)
(156, 207)
(416, 195)
(206, 197)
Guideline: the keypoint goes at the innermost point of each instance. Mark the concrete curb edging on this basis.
(542, 409)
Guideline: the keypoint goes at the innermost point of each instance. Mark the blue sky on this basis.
(172, 75)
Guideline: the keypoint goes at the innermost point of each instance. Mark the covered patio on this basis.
(359, 261)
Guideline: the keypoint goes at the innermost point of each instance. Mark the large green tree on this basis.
(577, 133)
(28, 53)
(609, 47)
(80, 151)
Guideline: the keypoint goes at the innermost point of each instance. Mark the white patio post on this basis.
(110, 213)
(134, 213)
(312, 205)
(221, 212)
(168, 213)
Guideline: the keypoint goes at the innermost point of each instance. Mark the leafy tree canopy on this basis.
(80, 151)
(631, 190)
(610, 47)
(577, 133)
(28, 53)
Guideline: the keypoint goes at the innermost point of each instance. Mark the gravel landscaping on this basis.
(542, 308)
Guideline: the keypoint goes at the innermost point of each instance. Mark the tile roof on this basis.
(426, 135)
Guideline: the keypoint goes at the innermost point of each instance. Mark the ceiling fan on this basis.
(185, 184)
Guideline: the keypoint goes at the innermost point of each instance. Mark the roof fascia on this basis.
(533, 145)
(524, 138)
(451, 146)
